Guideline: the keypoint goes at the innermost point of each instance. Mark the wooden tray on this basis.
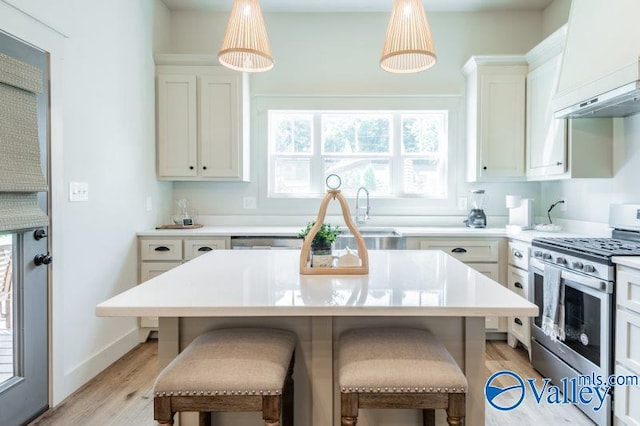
(363, 269)
(194, 226)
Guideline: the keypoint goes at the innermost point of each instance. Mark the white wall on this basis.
(337, 54)
(555, 15)
(589, 199)
(104, 134)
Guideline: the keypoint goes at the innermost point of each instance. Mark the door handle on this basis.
(162, 248)
(458, 250)
(205, 249)
(42, 259)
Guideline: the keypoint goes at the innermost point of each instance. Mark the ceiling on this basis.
(359, 5)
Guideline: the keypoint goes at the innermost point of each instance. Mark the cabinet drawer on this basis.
(518, 281)
(168, 249)
(628, 339)
(465, 250)
(195, 247)
(628, 289)
(520, 328)
(626, 407)
(519, 255)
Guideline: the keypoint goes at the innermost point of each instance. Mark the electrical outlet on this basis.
(563, 206)
(249, 203)
(78, 191)
(462, 203)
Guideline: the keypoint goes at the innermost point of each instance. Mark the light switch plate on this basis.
(78, 191)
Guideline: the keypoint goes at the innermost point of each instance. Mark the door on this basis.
(24, 374)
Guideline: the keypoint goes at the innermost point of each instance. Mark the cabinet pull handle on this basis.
(205, 248)
(559, 163)
(204, 167)
(190, 167)
(458, 250)
(517, 321)
(518, 285)
(484, 168)
(517, 254)
(162, 248)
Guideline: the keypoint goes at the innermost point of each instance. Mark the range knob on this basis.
(589, 268)
(561, 260)
(577, 265)
(537, 253)
(547, 256)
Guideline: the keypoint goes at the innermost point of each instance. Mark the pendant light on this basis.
(408, 46)
(245, 46)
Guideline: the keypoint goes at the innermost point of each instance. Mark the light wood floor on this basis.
(122, 394)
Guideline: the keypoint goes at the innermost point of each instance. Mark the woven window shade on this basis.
(246, 44)
(20, 172)
(408, 46)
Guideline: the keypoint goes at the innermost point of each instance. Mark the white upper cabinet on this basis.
(496, 88)
(203, 117)
(560, 148)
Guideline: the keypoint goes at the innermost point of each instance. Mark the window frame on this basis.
(404, 203)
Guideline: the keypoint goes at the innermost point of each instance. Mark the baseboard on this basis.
(87, 370)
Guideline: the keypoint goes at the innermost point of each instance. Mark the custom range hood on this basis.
(600, 74)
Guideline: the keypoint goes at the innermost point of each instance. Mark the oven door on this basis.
(588, 320)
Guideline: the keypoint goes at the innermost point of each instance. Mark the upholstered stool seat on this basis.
(398, 368)
(244, 369)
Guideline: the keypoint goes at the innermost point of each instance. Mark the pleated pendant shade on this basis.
(246, 44)
(408, 46)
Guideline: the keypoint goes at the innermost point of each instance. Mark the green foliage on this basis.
(325, 236)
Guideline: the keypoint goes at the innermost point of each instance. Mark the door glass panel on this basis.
(7, 313)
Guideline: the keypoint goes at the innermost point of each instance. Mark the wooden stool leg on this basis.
(271, 410)
(204, 418)
(456, 409)
(349, 408)
(429, 417)
(287, 396)
(162, 410)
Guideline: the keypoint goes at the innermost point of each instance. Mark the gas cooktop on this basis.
(604, 247)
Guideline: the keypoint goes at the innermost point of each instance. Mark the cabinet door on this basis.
(220, 138)
(502, 125)
(518, 282)
(626, 407)
(197, 247)
(177, 126)
(471, 250)
(546, 136)
(149, 270)
(492, 271)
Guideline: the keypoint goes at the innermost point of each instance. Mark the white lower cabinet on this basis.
(481, 254)
(518, 328)
(160, 254)
(627, 345)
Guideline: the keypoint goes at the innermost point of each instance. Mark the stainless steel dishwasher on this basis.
(266, 242)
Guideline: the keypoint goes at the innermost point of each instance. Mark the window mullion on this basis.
(397, 166)
(317, 165)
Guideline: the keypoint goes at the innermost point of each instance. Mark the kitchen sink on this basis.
(375, 238)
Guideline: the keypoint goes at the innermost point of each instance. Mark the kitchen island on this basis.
(425, 289)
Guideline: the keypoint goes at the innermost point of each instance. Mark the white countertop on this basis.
(630, 261)
(268, 283)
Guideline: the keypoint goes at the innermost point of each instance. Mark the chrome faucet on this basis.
(361, 220)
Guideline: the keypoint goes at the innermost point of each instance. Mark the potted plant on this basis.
(321, 244)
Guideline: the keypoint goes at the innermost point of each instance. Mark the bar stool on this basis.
(398, 368)
(241, 369)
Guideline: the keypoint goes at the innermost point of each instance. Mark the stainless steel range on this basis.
(587, 276)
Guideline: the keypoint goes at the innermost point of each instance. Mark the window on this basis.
(391, 153)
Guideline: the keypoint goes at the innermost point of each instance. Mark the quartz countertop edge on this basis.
(405, 231)
(630, 261)
(268, 283)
